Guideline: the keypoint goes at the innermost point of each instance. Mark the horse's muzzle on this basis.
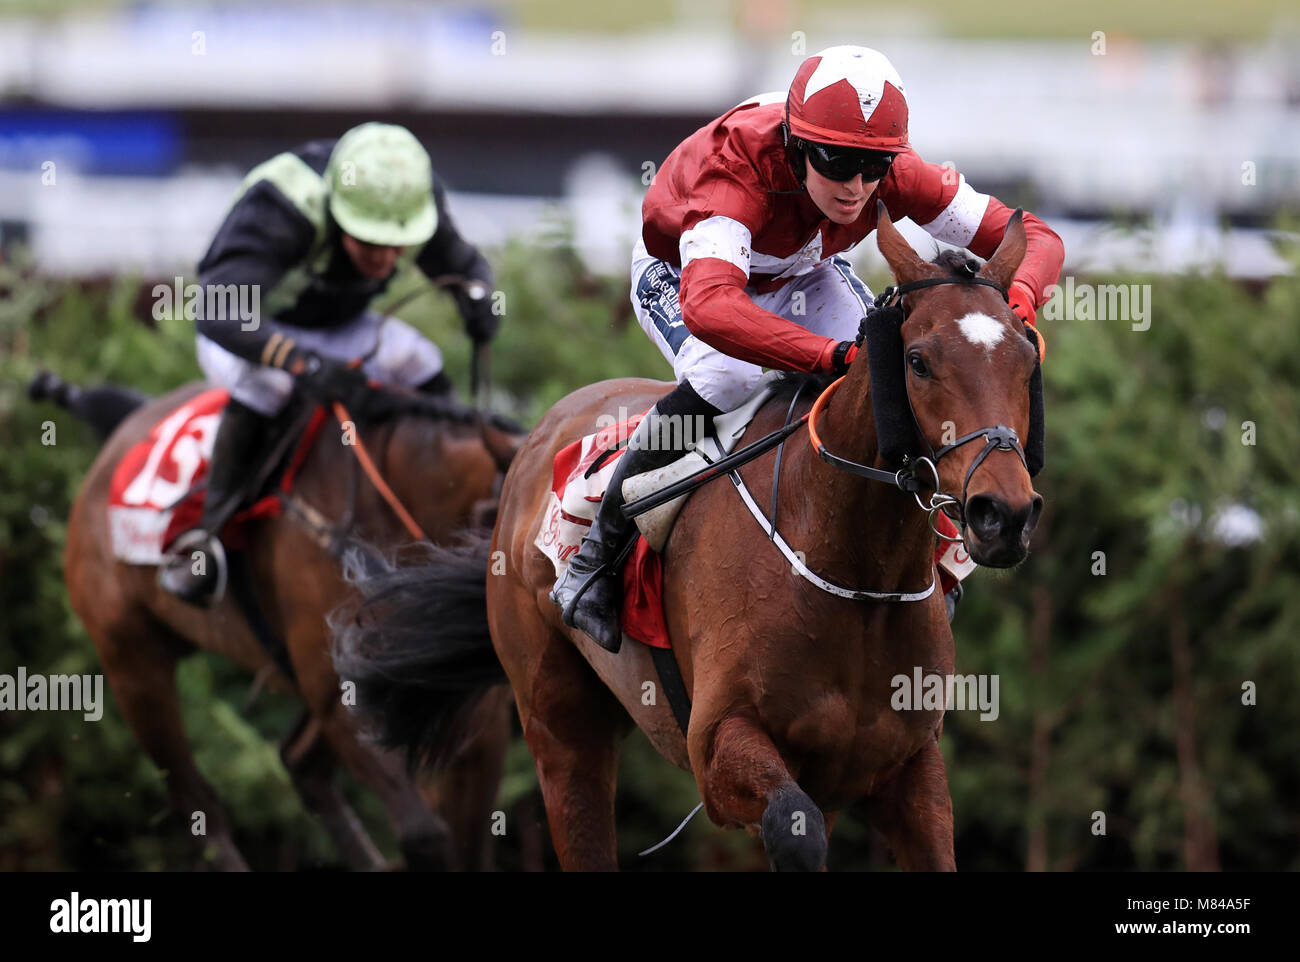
(997, 534)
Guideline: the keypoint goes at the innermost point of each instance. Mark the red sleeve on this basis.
(717, 310)
(1044, 252)
(726, 206)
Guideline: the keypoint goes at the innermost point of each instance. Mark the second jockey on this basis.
(319, 232)
(740, 263)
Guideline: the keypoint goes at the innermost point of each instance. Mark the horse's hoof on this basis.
(794, 831)
(426, 853)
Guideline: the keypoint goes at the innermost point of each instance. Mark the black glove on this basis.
(843, 355)
(324, 379)
(481, 324)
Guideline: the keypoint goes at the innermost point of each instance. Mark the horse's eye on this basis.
(917, 364)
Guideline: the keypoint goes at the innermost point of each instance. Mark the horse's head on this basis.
(967, 367)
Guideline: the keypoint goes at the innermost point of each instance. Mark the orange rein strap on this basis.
(816, 410)
(377, 479)
(903, 479)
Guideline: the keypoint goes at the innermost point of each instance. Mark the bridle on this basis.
(996, 438)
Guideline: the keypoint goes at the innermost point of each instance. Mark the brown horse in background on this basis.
(442, 470)
(791, 719)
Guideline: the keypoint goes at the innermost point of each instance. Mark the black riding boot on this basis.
(103, 407)
(194, 567)
(593, 605)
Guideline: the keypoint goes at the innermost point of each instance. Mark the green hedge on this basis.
(1144, 447)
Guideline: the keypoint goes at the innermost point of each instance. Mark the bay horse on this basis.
(790, 685)
(442, 467)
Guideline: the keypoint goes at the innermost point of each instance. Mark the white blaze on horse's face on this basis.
(982, 331)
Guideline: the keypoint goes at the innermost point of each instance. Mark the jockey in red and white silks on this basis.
(740, 264)
(735, 232)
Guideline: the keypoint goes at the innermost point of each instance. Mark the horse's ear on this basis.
(1004, 263)
(903, 261)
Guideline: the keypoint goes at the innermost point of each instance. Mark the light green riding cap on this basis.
(381, 186)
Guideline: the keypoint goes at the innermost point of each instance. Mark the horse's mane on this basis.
(387, 407)
(957, 263)
(787, 383)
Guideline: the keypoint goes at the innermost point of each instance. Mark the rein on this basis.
(904, 479)
(372, 472)
(997, 438)
(363, 454)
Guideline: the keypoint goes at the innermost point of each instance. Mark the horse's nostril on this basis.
(985, 515)
(1035, 511)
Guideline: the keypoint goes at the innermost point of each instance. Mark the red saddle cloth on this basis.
(643, 597)
(153, 496)
(562, 530)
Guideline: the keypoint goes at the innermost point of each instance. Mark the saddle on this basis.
(582, 470)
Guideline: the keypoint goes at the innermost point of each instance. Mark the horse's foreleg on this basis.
(142, 675)
(746, 783)
(423, 836)
(311, 766)
(914, 812)
(468, 785)
(465, 787)
(573, 725)
(576, 747)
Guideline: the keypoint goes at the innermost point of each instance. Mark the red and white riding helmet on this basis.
(850, 97)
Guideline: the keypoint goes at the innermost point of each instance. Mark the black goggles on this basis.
(845, 163)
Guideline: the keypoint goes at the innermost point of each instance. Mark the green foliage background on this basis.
(1144, 450)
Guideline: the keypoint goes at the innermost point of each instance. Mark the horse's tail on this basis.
(417, 646)
(103, 407)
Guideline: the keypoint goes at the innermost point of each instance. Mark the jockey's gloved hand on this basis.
(1021, 301)
(837, 356)
(475, 306)
(323, 379)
